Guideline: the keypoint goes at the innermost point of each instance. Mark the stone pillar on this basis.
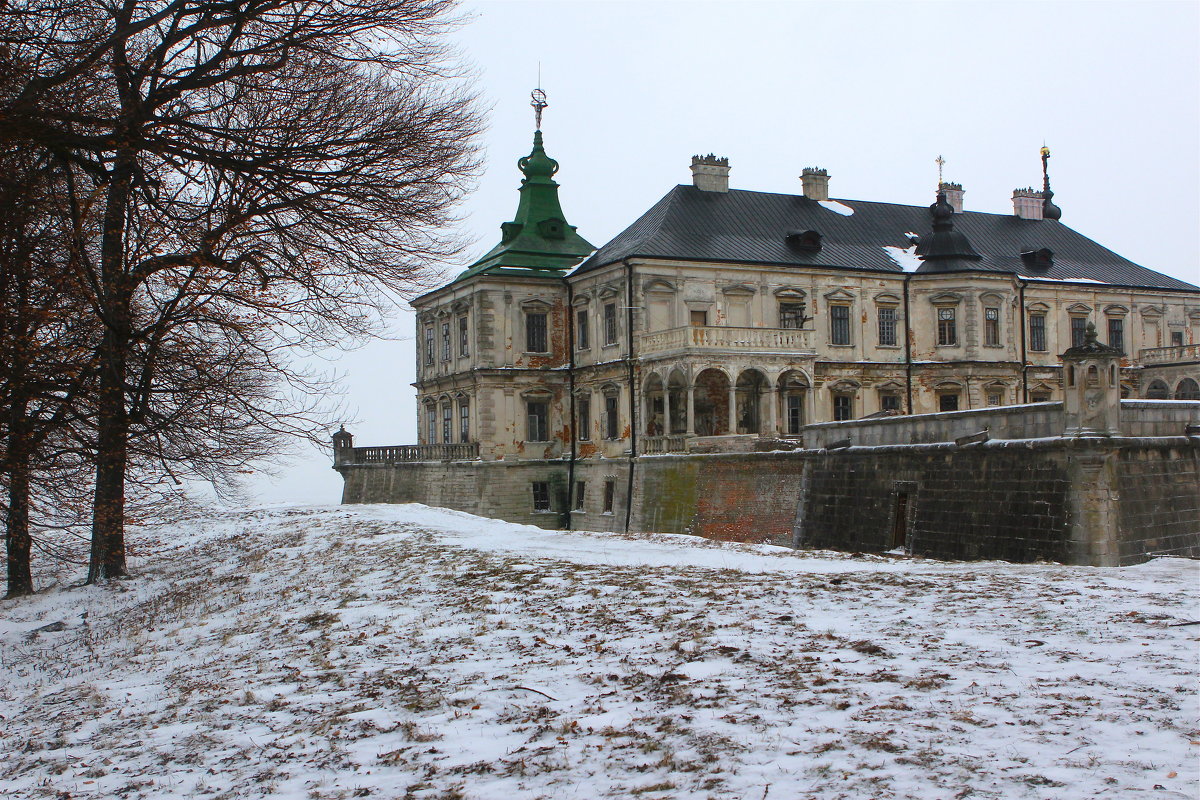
(691, 410)
(1091, 388)
(666, 431)
(732, 407)
(1094, 521)
(772, 395)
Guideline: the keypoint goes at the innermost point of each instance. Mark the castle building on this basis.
(727, 320)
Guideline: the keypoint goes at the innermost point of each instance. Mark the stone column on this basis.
(691, 410)
(1094, 527)
(666, 431)
(773, 396)
(733, 407)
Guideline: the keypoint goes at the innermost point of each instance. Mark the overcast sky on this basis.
(873, 92)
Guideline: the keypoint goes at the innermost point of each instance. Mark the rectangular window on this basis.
(583, 406)
(947, 329)
(580, 486)
(991, 327)
(535, 333)
(464, 338)
(539, 421)
(698, 319)
(843, 407)
(839, 324)
(1078, 331)
(947, 402)
(429, 345)
(447, 424)
(1039, 398)
(1176, 338)
(581, 330)
(610, 417)
(610, 323)
(794, 413)
(610, 495)
(464, 420)
(791, 315)
(1037, 332)
(445, 341)
(887, 327)
(994, 399)
(541, 496)
(889, 402)
(431, 425)
(1116, 333)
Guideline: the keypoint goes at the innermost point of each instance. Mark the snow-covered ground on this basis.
(408, 652)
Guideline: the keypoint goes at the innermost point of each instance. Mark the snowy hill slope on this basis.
(407, 652)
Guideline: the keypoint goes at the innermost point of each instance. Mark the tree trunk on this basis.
(16, 535)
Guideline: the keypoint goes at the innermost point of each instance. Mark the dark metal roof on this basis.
(752, 227)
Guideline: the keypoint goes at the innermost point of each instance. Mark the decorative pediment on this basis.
(1115, 310)
(845, 385)
(660, 285)
(1039, 308)
(739, 289)
(790, 293)
(887, 299)
(1194, 314)
(605, 292)
(991, 299)
(1153, 312)
(891, 386)
(948, 386)
(581, 299)
(946, 299)
(537, 393)
(535, 306)
(460, 307)
(1079, 308)
(839, 296)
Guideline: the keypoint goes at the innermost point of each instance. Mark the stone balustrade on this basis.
(466, 451)
(722, 338)
(653, 445)
(1170, 355)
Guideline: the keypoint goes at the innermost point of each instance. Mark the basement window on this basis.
(541, 496)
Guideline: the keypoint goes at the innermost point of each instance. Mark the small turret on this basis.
(1091, 387)
(945, 250)
(343, 446)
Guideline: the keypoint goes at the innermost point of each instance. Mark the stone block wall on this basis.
(1160, 502)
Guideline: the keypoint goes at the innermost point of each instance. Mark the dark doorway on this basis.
(900, 520)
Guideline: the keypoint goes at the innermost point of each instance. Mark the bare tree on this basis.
(296, 162)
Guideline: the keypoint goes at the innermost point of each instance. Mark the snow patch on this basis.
(837, 207)
(905, 257)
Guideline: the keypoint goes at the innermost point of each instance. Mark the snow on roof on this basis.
(905, 257)
(837, 207)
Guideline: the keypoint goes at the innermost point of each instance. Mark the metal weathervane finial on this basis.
(538, 100)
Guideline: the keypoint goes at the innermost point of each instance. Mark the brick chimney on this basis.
(1027, 203)
(815, 183)
(710, 173)
(954, 195)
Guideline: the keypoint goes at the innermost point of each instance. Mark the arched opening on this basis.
(655, 406)
(1157, 390)
(751, 386)
(677, 392)
(711, 399)
(793, 390)
(1187, 389)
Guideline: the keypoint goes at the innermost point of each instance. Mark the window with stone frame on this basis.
(580, 494)
(698, 319)
(445, 341)
(583, 414)
(541, 495)
(1039, 396)
(791, 315)
(1078, 330)
(447, 423)
(431, 424)
(886, 318)
(610, 323)
(1176, 338)
(843, 407)
(612, 417)
(991, 327)
(464, 420)
(889, 401)
(948, 401)
(536, 340)
(995, 397)
(610, 495)
(1116, 333)
(464, 338)
(538, 417)
(839, 325)
(947, 327)
(429, 346)
(1037, 332)
(793, 411)
(582, 329)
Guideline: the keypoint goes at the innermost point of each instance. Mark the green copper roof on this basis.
(538, 241)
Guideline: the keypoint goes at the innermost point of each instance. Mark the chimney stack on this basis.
(710, 173)
(1027, 203)
(954, 195)
(815, 182)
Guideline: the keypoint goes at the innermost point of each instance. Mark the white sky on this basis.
(873, 92)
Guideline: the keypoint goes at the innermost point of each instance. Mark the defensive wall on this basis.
(998, 483)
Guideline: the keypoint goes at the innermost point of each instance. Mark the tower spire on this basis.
(1049, 210)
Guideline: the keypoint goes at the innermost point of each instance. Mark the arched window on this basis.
(1187, 389)
(1157, 390)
